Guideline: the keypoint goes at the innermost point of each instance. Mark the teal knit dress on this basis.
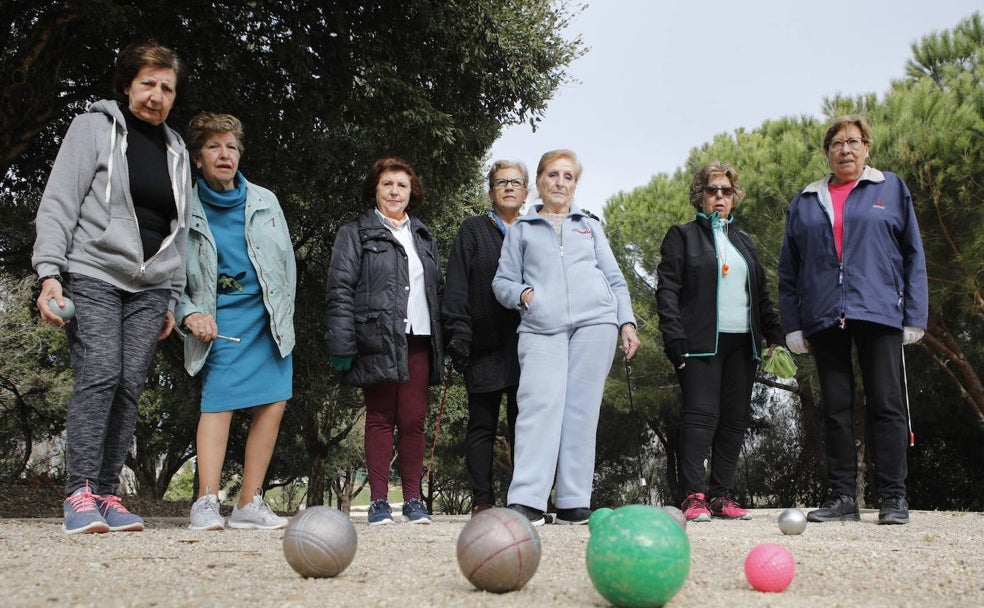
(251, 372)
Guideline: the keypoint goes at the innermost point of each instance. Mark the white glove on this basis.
(796, 343)
(911, 335)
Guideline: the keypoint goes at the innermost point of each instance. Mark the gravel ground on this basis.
(937, 560)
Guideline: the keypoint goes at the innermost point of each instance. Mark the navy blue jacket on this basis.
(882, 275)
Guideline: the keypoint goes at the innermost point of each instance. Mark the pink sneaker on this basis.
(695, 508)
(724, 507)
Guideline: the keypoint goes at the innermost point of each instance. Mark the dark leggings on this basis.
(483, 424)
(717, 392)
(879, 349)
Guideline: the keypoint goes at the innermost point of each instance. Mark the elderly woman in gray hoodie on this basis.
(558, 269)
(111, 230)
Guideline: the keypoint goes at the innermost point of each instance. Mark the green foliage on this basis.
(323, 89)
(928, 129)
(34, 380)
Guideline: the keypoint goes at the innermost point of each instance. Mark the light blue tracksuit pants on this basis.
(561, 383)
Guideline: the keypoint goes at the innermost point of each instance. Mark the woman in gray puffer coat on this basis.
(383, 320)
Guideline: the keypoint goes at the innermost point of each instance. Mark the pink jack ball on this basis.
(770, 567)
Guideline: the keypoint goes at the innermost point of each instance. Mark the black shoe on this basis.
(573, 517)
(894, 510)
(534, 515)
(836, 508)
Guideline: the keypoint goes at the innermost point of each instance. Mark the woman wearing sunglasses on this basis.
(714, 309)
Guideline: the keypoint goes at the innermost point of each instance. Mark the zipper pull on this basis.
(843, 321)
(840, 274)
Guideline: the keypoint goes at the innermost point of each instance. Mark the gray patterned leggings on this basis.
(112, 340)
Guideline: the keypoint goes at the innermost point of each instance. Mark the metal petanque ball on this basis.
(792, 521)
(677, 514)
(638, 556)
(66, 313)
(320, 542)
(770, 567)
(498, 550)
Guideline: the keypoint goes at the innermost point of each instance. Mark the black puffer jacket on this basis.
(367, 292)
(686, 291)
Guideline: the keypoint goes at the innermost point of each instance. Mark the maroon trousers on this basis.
(399, 405)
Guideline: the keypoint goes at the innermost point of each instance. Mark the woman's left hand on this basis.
(630, 341)
(168, 326)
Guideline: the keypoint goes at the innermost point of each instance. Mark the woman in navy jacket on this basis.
(852, 270)
(714, 310)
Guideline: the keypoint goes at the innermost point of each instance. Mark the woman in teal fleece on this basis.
(111, 229)
(557, 268)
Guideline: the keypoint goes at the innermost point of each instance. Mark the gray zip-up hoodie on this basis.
(86, 222)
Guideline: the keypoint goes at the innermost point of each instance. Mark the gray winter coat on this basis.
(367, 292)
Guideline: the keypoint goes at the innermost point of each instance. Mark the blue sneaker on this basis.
(415, 512)
(117, 517)
(380, 512)
(81, 514)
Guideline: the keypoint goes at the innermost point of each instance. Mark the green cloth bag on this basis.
(780, 363)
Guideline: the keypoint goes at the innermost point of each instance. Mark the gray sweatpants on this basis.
(112, 339)
(561, 383)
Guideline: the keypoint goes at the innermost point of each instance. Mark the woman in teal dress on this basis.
(237, 315)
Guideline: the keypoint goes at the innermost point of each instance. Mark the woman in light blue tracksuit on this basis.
(557, 267)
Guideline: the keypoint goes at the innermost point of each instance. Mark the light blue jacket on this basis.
(576, 282)
(269, 247)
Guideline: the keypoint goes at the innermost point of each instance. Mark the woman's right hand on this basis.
(51, 288)
(202, 326)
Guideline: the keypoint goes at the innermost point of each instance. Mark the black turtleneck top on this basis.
(150, 182)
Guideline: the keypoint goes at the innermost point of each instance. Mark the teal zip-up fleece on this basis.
(272, 255)
(86, 222)
(576, 282)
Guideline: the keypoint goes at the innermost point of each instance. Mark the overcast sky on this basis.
(664, 76)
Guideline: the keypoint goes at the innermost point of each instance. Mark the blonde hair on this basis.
(553, 155)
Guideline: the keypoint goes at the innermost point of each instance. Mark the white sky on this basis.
(664, 76)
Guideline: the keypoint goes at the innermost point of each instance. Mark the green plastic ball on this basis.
(638, 556)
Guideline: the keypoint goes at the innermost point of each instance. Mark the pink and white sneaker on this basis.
(695, 508)
(725, 507)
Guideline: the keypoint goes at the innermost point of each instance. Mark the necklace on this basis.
(723, 256)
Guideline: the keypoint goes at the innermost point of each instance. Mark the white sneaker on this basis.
(205, 514)
(257, 515)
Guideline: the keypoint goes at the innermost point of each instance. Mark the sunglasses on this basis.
(724, 190)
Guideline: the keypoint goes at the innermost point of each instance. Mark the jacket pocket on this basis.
(369, 330)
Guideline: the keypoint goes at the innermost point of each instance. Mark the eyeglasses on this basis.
(853, 143)
(724, 190)
(515, 183)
